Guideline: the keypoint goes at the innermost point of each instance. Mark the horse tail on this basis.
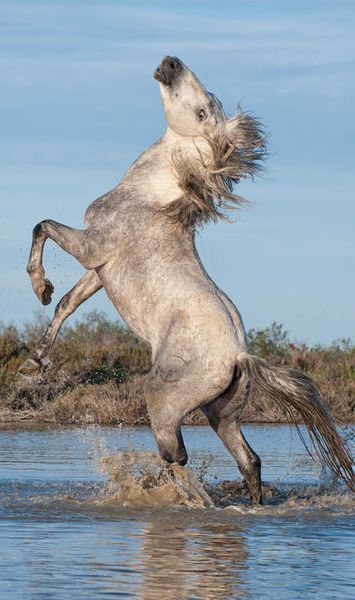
(291, 390)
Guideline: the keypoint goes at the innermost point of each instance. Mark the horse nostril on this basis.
(168, 70)
(173, 63)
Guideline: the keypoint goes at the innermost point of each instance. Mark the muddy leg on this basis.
(88, 285)
(223, 416)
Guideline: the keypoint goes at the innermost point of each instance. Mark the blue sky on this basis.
(78, 104)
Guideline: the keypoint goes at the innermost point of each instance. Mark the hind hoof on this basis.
(34, 367)
(256, 499)
(30, 368)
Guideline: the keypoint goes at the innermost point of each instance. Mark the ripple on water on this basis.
(103, 523)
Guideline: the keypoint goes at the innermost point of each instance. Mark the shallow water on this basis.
(79, 520)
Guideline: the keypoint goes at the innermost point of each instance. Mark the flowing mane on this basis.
(207, 181)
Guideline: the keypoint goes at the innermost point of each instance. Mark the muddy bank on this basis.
(98, 368)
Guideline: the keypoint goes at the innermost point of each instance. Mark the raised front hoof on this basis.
(45, 291)
(34, 367)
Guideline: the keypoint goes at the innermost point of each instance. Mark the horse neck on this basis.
(189, 148)
(152, 180)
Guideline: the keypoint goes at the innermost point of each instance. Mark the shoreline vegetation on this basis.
(98, 370)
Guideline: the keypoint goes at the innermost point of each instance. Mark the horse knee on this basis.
(40, 230)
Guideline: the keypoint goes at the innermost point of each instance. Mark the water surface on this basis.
(66, 533)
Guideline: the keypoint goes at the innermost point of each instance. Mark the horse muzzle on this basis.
(169, 70)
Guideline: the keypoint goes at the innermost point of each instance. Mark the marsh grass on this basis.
(99, 366)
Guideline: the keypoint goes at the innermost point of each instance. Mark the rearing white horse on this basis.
(138, 243)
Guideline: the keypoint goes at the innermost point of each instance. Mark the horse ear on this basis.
(244, 131)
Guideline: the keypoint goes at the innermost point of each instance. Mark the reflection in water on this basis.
(181, 554)
(200, 562)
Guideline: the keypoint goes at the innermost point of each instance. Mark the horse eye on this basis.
(201, 115)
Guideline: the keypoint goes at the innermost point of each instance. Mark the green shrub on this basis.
(269, 342)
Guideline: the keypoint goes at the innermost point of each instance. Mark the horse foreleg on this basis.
(223, 416)
(88, 285)
(84, 245)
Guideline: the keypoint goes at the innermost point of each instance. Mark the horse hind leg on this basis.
(174, 388)
(165, 414)
(86, 287)
(247, 460)
(223, 416)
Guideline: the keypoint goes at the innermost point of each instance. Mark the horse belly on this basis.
(128, 294)
(208, 334)
(173, 314)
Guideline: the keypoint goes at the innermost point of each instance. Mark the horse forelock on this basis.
(207, 180)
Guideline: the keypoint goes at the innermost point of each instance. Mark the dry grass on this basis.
(331, 368)
(99, 368)
(106, 404)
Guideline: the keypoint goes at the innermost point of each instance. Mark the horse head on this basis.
(210, 152)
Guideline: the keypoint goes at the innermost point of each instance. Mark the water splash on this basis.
(139, 479)
(142, 479)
